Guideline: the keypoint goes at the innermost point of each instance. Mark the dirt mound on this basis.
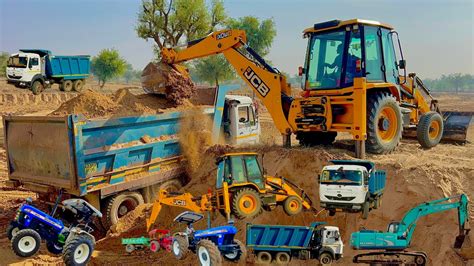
(94, 104)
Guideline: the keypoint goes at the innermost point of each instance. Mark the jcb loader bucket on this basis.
(456, 125)
(155, 77)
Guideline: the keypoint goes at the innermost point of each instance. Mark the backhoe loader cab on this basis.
(239, 169)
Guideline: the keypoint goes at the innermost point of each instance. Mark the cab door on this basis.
(34, 67)
(247, 129)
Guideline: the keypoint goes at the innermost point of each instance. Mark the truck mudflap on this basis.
(456, 125)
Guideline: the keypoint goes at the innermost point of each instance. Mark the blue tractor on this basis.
(70, 236)
(210, 244)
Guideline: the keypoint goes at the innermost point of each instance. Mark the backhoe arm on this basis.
(185, 200)
(269, 85)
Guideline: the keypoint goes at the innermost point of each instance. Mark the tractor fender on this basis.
(78, 231)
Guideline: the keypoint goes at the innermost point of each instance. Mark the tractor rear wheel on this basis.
(282, 258)
(246, 203)
(292, 205)
(117, 206)
(309, 139)
(264, 257)
(239, 254)
(26, 243)
(384, 123)
(180, 247)
(208, 253)
(78, 250)
(429, 130)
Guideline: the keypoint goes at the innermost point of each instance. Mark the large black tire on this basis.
(292, 205)
(119, 205)
(384, 123)
(12, 229)
(78, 250)
(26, 243)
(264, 257)
(78, 85)
(420, 260)
(54, 248)
(325, 258)
(365, 209)
(238, 255)
(246, 203)
(37, 87)
(66, 85)
(309, 139)
(179, 247)
(282, 258)
(208, 253)
(430, 129)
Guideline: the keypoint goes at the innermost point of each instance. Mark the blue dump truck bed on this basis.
(377, 182)
(279, 237)
(68, 67)
(81, 155)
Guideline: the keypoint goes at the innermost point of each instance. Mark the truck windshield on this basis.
(351, 177)
(324, 59)
(17, 61)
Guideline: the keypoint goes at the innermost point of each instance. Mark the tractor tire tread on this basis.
(71, 245)
(235, 203)
(21, 234)
(214, 252)
(423, 129)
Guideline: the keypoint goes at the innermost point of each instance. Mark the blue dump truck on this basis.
(351, 185)
(38, 69)
(283, 242)
(117, 163)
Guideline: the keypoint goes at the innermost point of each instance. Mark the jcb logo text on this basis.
(256, 82)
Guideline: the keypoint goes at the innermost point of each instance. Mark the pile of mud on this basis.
(94, 104)
(160, 78)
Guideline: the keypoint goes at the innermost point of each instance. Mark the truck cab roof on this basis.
(366, 164)
(239, 98)
(345, 167)
(40, 52)
(331, 228)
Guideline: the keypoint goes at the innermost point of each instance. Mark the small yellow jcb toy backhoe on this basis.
(241, 190)
(351, 84)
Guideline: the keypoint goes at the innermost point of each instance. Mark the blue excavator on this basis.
(391, 246)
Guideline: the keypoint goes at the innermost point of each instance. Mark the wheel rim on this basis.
(81, 253)
(154, 246)
(15, 231)
(325, 260)
(204, 257)
(27, 244)
(294, 205)
(283, 258)
(125, 207)
(387, 124)
(232, 255)
(129, 248)
(248, 204)
(434, 130)
(265, 257)
(176, 248)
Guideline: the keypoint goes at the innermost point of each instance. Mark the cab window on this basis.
(243, 114)
(33, 62)
(354, 54)
(391, 68)
(238, 173)
(254, 172)
(373, 59)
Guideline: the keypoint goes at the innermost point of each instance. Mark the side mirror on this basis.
(242, 120)
(300, 71)
(402, 64)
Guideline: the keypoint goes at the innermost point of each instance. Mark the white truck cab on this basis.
(240, 120)
(331, 241)
(23, 67)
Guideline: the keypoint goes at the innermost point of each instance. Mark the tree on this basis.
(108, 64)
(3, 63)
(168, 22)
(213, 68)
(131, 74)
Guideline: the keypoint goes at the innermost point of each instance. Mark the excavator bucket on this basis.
(157, 77)
(459, 241)
(456, 125)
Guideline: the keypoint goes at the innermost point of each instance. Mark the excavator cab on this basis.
(239, 169)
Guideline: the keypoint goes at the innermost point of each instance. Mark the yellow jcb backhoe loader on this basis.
(241, 190)
(351, 84)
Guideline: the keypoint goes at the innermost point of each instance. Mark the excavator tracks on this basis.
(417, 258)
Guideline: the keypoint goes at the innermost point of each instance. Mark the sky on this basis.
(437, 35)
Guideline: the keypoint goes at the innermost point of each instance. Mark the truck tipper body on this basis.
(283, 242)
(38, 69)
(351, 185)
(115, 163)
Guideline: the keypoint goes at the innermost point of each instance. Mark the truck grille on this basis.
(14, 77)
(339, 198)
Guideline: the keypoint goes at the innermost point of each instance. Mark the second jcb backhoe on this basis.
(241, 190)
(351, 84)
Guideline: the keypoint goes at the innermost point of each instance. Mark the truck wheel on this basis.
(54, 248)
(180, 247)
(240, 254)
(282, 258)
(384, 123)
(309, 139)
(78, 85)
(246, 203)
(208, 253)
(78, 250)
(129, 248)
(12, 230)
(325, 258)
(37, 87)
(66, 85)
(429, 130)
(26, 243)
(119, 205)
(292, 205)
(264, 257)
(155, 246)
(365, 210)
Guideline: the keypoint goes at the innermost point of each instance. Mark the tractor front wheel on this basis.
(26, 243)
(429, 130)
(78, 250)
(238, 254)
(384, 123)
(246, 203)
(12, 230)
(292, 205)
(208, 253)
